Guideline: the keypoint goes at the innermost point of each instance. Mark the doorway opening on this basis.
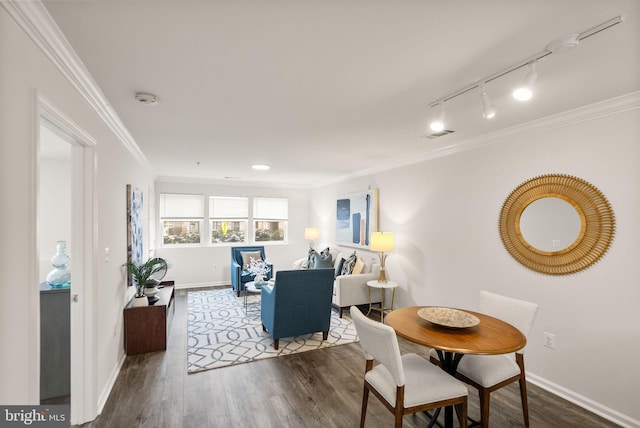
(54, 240)
(65, 213)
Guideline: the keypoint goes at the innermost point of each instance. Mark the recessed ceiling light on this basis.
(260, 167)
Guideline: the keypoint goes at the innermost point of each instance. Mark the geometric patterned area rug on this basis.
(221, 333)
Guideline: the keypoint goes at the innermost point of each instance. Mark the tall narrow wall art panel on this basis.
(356, 218)
(135, 215)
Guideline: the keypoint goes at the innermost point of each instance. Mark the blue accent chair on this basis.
(298, 303)
(240, 276)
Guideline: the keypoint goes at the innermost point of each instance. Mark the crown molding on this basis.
(37, 23)
(227, 182)
(616, 105)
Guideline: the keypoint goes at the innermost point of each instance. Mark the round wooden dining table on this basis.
(491, 336)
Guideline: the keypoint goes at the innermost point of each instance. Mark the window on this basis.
(228, 219)
(181, 217)
(270, 217)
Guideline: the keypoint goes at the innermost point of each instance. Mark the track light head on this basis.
(488, 110)
(525, 91)
(437, 125)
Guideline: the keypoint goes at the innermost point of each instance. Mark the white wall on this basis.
(54, 220)
(444, 213)
(25, 73)
(208, 265)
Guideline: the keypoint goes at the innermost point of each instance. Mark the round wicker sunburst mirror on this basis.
(589, 226)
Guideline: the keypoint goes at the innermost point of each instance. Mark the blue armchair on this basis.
(239, 275)
(298, 303)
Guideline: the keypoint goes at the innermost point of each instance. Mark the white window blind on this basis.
(181, 206)
(228, 207)
(271, 208)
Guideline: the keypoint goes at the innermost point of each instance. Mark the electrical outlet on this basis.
(550, 340)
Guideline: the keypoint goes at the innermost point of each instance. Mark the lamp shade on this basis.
(312, 233)
(382, 241)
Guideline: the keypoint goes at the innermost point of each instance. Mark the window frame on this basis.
(177, 218)
(229, 218)
(256, 218)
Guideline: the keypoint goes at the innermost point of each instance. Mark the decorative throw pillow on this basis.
(311, 258)
(348, 265)
(247, 256)
(339, 264)
(358, 267)
(322, 261)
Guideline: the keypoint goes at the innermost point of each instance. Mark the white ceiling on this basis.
(326, 89)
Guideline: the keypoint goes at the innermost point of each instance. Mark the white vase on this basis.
(259, 279)
(140, 301)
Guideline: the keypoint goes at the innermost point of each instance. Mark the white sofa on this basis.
(351, 289)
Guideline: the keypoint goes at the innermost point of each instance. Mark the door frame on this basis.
(84, 240)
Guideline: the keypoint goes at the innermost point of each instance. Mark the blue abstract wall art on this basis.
(135, 214)
(356, 218)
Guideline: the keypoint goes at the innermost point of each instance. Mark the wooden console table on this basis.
(146, 328)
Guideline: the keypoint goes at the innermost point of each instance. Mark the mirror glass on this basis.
(550, 224)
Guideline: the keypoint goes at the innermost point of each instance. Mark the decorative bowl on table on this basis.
(448, 317)
(150, 291)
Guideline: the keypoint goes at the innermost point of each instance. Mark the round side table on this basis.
(382, 286)
(250, 287)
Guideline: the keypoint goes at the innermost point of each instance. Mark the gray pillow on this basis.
(322, 261)
(311, 259)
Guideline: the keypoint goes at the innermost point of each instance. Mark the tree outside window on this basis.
(181, 217)
(228, 218)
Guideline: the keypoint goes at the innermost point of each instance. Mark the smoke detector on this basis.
(148, 99)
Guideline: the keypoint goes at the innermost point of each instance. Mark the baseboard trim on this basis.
(584, 402)
(104, 396)
(203, 285)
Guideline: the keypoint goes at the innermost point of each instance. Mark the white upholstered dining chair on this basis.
(404, 384)
(488, 373)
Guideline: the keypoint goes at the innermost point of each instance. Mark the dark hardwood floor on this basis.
(321, 388)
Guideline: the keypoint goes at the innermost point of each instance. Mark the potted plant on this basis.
(141, 273)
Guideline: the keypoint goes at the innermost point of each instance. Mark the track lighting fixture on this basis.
(525, 91)
(437, 124)
(488, 110)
